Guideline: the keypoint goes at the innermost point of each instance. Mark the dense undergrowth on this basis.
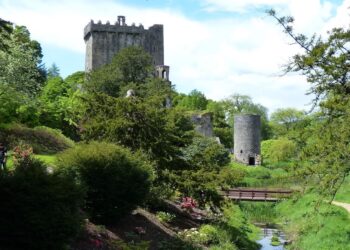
(43, 140)
(309, 221)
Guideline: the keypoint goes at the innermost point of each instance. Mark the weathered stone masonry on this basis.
(247, 139)
(103, 41)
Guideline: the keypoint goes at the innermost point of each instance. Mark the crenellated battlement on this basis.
(104, 40)
(119, 26)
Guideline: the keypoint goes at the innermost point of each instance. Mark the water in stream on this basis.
(266, 235)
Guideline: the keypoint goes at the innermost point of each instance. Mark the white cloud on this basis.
(217, 56)
(239, 5)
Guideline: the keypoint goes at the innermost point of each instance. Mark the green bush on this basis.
(38, 210)
(42, 139)
(115, 179)
(278, 150)
(200, 179)
(211, 234)
(165, 217)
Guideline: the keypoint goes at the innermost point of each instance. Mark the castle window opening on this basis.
(241, 151)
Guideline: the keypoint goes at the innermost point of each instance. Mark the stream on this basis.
(266, 236)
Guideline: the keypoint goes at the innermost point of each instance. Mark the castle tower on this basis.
(103, 41)
(247, 139)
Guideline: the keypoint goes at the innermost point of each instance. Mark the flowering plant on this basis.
(22, 154)
(188, 203)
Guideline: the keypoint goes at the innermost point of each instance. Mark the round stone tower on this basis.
(247, 139)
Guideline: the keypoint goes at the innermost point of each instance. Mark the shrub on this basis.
(38, 210)
(165, 217)
(200, 178)
(42, 139)
(115, 179)
(211, 234)
(278, 150)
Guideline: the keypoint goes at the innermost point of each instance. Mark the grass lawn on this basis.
(48, 159)
(343, 194)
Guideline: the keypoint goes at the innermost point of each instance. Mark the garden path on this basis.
(342, 204)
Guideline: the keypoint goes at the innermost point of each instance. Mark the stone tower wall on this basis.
(247, 139)
(103, 41)
(203, 124)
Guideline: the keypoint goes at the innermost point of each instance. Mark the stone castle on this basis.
(103, 41)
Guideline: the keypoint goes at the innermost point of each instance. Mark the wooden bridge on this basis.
(256, 194)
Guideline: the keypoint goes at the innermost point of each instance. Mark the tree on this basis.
(274, 151)
(285, 121)
(206, 161)
(116, 180)
(5, 31)
(53, 71)
(325, 63)
(129, 65)
(195, 100)
(21, 74)
(51, 110)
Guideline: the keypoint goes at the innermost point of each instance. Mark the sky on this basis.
(219, 47)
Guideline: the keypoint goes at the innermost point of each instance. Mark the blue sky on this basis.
(219, 47)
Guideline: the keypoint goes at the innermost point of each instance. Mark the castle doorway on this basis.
(251, 161)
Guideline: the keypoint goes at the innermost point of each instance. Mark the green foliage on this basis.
(51, 109)
(43, 140)
(53, 71)
(343, 193)
(275, 241)
(165, 217)
(210, 234)
(60, 103)
(193, 236)
(206, 159)
(130, 65)
(39, 210)
(205, 152)
(115, 179)
(195, 100)
(19, 63)
(258, 173)
(235, 228)
(259, 212)
(260, 176)
(5, 31)
(21, 76)
(286, 122)
(140, 124)
(230, 231)
(325, 64)
(326, 154)
(274, 151)
(314, 224)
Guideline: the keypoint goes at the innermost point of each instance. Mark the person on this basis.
(3, 154)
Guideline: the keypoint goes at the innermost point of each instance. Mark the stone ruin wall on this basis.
(203, 124)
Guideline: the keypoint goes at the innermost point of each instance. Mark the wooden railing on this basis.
(255, 194)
